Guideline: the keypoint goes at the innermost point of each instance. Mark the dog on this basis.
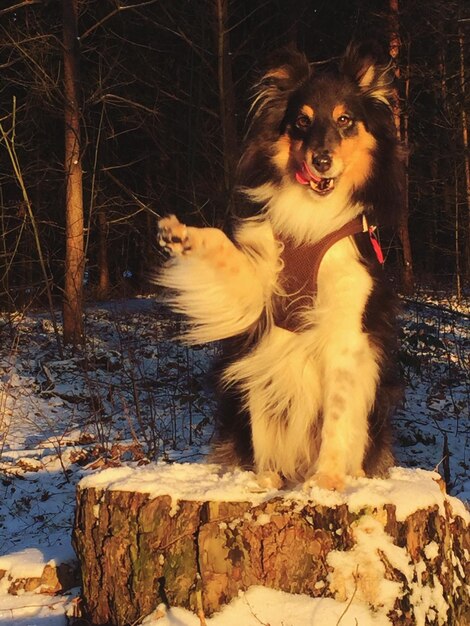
(297, 292)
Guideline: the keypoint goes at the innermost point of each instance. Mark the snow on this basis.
(260, 605)
(364, 561)
(133, 395)
(409, 490)
(33, 609)
(28, 562)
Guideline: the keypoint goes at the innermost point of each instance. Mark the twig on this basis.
(114, 12)
(350, 600)
(199, 606)
(131, 194)
(15, 7)
(10, 146)
(253, 613)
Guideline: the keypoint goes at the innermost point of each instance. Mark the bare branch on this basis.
(33, 62)
(111, 14)
(179, 32)
(15, 7)
(109, 97)
(131, 194)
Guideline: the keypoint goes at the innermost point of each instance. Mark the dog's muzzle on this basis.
(319, 184)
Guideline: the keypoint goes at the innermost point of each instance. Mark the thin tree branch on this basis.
(109, 97)
(15, 7)
(111, 14)
(11, 149)
(131, 194)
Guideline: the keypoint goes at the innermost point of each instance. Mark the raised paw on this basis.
(173, 236)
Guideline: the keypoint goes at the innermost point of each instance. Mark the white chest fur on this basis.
(309, 392)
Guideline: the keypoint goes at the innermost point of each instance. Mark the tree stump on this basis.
(192, 536)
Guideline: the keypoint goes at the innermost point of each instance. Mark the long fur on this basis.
(313, 403)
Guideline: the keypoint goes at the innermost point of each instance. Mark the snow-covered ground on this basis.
(134, 395)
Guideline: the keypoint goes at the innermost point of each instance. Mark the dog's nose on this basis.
(322, 161)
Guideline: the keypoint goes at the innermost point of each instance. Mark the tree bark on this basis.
(226, 93)
(401, 125)
(104, 281)
(466, 152)
(74, 237)
(137, 551)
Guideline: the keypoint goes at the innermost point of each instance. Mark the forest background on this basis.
(113, 113)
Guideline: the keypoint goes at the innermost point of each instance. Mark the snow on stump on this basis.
(193, 536)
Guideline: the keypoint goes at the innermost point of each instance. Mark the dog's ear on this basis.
(283, 74)
(286, 70)
(361, 63)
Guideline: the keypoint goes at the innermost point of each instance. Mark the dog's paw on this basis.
(265, 481)
(332, 482)
(173, 236)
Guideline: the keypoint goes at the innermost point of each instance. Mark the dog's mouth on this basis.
(318, 184)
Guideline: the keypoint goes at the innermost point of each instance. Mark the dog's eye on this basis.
(345, 122)
(303, 122)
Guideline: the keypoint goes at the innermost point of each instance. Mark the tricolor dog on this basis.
(297, 292)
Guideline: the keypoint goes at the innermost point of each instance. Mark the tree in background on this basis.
(466, 154)
(227, 106)
(74, 221)
(401, 123)
(436, 109)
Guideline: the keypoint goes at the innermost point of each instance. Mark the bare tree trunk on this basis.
(464, 123)
(226, 93)
(458, 277)
(74, 239)
(401, 124)
(449, 184)
(104, 283)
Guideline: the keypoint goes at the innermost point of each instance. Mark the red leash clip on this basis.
(376, 245)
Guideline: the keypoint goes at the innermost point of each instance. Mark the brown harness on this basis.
(300, 272)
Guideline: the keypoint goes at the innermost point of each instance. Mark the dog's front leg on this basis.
(349, 366)
(214, 283)
(350, 380)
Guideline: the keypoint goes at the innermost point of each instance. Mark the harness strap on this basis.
(300, 272)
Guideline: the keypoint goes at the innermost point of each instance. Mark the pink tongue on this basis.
(301, 178)
(305, 175)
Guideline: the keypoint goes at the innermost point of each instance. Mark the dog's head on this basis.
(329, 130)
